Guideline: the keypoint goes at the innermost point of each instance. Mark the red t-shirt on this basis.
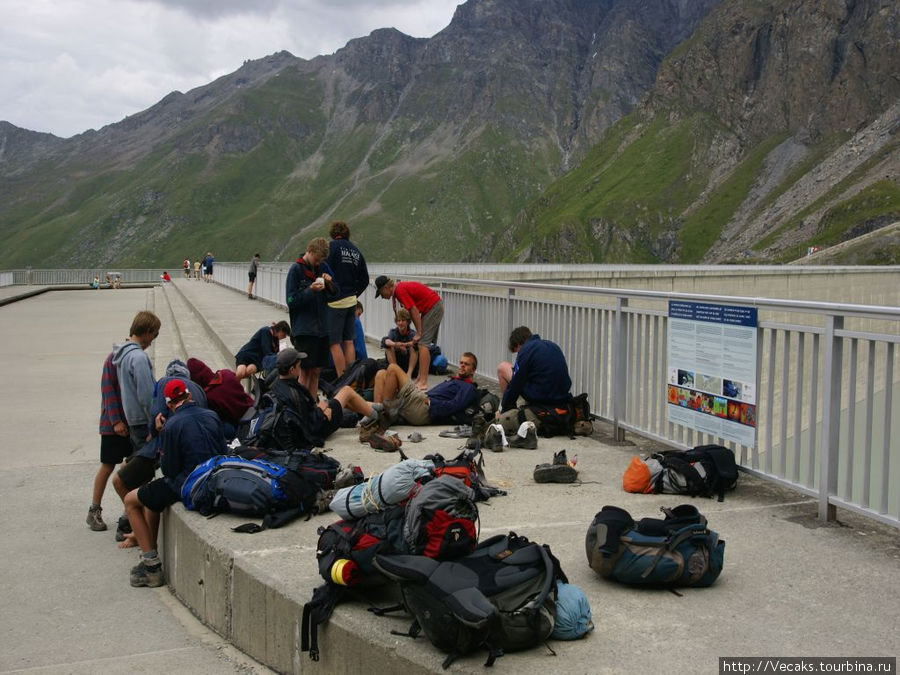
(413, 294)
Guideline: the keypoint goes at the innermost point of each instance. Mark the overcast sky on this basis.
(67, 66)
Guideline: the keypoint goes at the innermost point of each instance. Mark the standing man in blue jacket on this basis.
(308, 290)
(348, 266)
(189, 436)
(540, 374)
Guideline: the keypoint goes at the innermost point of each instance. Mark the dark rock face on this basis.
(442, 148)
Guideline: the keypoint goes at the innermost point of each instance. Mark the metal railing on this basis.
(827, 373)
(63, 277)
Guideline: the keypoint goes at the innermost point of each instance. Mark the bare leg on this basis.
(310, 379)
(389, 382)
(390, 354)
(504, 374)
(348, 398)
(349, 352)
(424, 364)
(100, 480)
(139, 525)
(337, 355)
(413, 360)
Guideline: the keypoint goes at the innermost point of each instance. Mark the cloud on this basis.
(69, 66)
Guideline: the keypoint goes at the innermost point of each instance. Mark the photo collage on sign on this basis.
(712, 395)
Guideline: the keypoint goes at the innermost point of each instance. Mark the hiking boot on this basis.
(555, 473)
(526, 442)
(95, 519)
(479, 426)
(493, 438)
(123, 527)
(385, 443)
(367, 429)
(144, 575)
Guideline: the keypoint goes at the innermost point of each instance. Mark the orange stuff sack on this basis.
(637, 477)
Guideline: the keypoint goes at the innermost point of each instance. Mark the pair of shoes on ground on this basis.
(147, 576)
(525, 438)
(385, 442)
(95, 519)
(560, 471)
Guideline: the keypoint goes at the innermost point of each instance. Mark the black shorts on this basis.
(157, 495)
(337, 416)
(114, 448)
(245, 359)
(137, 471)
(315, 348)
(252, 276)
(341, 324)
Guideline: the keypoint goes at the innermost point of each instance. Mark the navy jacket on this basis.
(190, 436)
(308, 308)
(540, 375)
(261, 345)
(448, 398)
(349, 267)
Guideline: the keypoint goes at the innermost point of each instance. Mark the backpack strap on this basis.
(695, 484)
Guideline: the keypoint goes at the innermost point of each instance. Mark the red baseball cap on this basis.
(175, 390)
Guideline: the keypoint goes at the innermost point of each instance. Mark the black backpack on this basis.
(719, 471)
(345, 553)
(501, 597)
(565, 419)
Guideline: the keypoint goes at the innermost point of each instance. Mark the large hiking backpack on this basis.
(501, 597)
(359, 376)
(441, 519)
(703, 471)
(679, 550)
(345, 553)
(394, 485)
(313, 466)
(568, 419)
(249, 487)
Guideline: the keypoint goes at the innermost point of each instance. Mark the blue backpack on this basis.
(249, 487)
(679, 550)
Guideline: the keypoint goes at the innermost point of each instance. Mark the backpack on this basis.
(485, 401)
(501, 597)
(359, 376)
(467, 466)
(315, 468)
(704, 471)
(345, 553)
(679, 550)
(249, 487)
(569, 419)
(440, 520)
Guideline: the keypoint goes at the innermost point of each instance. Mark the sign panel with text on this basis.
(711, 361)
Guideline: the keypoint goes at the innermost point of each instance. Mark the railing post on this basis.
(618, 382)
(510, 296)
(831, 417)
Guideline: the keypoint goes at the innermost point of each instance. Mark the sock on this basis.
(150, 558)
(94, 505)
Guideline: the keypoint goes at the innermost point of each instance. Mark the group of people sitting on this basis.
(193, 412)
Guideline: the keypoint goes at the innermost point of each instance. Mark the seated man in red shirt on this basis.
(427, 311)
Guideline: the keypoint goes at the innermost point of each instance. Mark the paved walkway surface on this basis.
(67, 606)
(791, 586)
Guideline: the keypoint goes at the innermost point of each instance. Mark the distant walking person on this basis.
(427, 311)
(208, 266)
(351, 277)
(251, 274)
(308, 289)
(197, 266)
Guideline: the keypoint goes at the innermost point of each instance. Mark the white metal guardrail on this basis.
(62, 277)
(828, 372)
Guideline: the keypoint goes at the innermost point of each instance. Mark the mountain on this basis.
(569, 130)
(772, 129)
